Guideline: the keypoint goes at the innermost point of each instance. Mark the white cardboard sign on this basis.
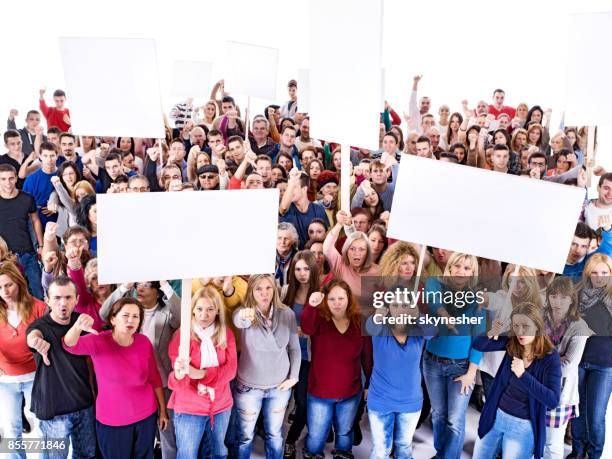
(589, 73)
(345, 71)
(161, 236)
(251, 70)
(303, 81)
(498, 216)
(112, 86)
(191, 79)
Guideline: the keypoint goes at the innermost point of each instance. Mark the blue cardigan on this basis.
(543, 383)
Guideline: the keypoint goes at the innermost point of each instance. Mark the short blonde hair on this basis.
(457, 258)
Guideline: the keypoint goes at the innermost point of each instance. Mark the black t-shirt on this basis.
(14, 216)
(62, 387)
(6, 159)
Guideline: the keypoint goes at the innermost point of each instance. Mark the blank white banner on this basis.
(162, 236)
(303, 81)
(251, 70)
(112, 86)
(589, 73)
(484, 213)
(345, 71)
(191, 79)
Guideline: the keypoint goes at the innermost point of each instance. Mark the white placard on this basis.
(152, 236)
(191, 79)
(498, 216)
(112, 86)
(589, 97)
(251, 70)
(345, 71)
(303, 81)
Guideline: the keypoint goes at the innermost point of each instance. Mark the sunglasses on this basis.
(207, 176)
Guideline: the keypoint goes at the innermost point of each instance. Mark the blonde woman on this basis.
(499, 306)
(201, 395)
(269, 364)
(82, 189)
(595, 369)
(206, 114)
(5, 253)
(450, 361)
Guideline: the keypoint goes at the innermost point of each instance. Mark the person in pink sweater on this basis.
(91, 294)
(356, 257)
(129, 385)
(201, 397)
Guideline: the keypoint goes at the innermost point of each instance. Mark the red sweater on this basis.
(511, 112)
(337, 359)
(54, 116)
(185, 398)
(15, 356)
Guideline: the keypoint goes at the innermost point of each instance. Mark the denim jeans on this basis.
(448, 405)
(509, 434)
(321, 413)
(390, 429)
(589, 429)
(11, 400)
(192, 430)
(33, 273)
(78, 428)
(249, 402)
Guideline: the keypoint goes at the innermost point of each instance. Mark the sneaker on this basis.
(575, 455)
(357, 435)
(289, 452)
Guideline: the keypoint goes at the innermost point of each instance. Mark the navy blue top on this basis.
(542, 383)
(515, 399)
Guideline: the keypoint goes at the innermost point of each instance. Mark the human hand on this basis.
(49, 261)
(13, 113)
(247, 314)
(85, 323)
(287, 384)
(316, 298)
(42, 347)
(517, 366)
(467, 383)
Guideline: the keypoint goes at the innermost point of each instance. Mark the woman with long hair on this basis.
(517, 286)
(367, 197)
(208, 114)
(575, 142)
(595, 369)
(63, 199)
(378, 241)
(452, 133)
(18, 309)
(127, 376)
(87, 217)
(339, 354)
(569, 334)
(316, 247)
(201, 395)
(303, 281)
(519, 140)
(268, 367)
(513, 419)
(535, 135)
(450, 361)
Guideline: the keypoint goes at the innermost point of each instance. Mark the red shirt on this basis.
(337, 358)
(511, 112)
(15, 356)
(54, 116)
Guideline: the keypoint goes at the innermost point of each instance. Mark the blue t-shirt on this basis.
(302, 220)
(39, 185)
(515, 399)
(297, 309)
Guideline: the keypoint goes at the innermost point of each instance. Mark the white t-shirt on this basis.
(592, 214)
(148, 324)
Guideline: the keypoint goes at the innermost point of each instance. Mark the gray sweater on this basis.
(268, 356)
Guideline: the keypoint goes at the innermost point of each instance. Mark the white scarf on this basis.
(208, 355)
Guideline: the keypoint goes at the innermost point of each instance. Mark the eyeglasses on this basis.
(207, 176)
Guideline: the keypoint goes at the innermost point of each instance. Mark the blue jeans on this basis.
(511, 435)
(249, 402)
(191, 430)
(589, 429)
(321, 412)
(11, 400)
(390, 429)
(448, 405)
(33, 273)
(77, 427)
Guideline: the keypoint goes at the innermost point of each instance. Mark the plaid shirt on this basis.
(561, 415)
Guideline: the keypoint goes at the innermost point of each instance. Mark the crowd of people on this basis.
(99, 366)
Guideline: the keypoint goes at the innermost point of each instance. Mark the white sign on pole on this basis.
(303, 81)
(345, 71)
(205, 234)
(191, 79)
(251, 70)
(588, 74)
(498, 216)
(112, 86)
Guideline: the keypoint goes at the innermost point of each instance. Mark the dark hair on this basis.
(63, 281)
(313, 283)
(400, 136)
(132, 150)
(11, 133)
(5, 167)
(48, 146)
(76, 229)
(537, 154)
(424, 139)
(448, 131)
(362, 211)
(392, 135)
(54, 130)
(281, 180)
(67, 134)
(501, 147)
(584, 231)
(499, 90)
(289, 127)
(214, 132)
(452, 156)
(32, 112)
(122, 178)
(59, 93)
(282, 169)
(228, 99)
(505, 134)
(282, 154)
(68, 165)
(292, 84)
(532, 110)
(113, 155)
(118, 306)
(83, 211)
(607, 176)
(263, 157)
(566, 287)
(456, 145)
(235, 138)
